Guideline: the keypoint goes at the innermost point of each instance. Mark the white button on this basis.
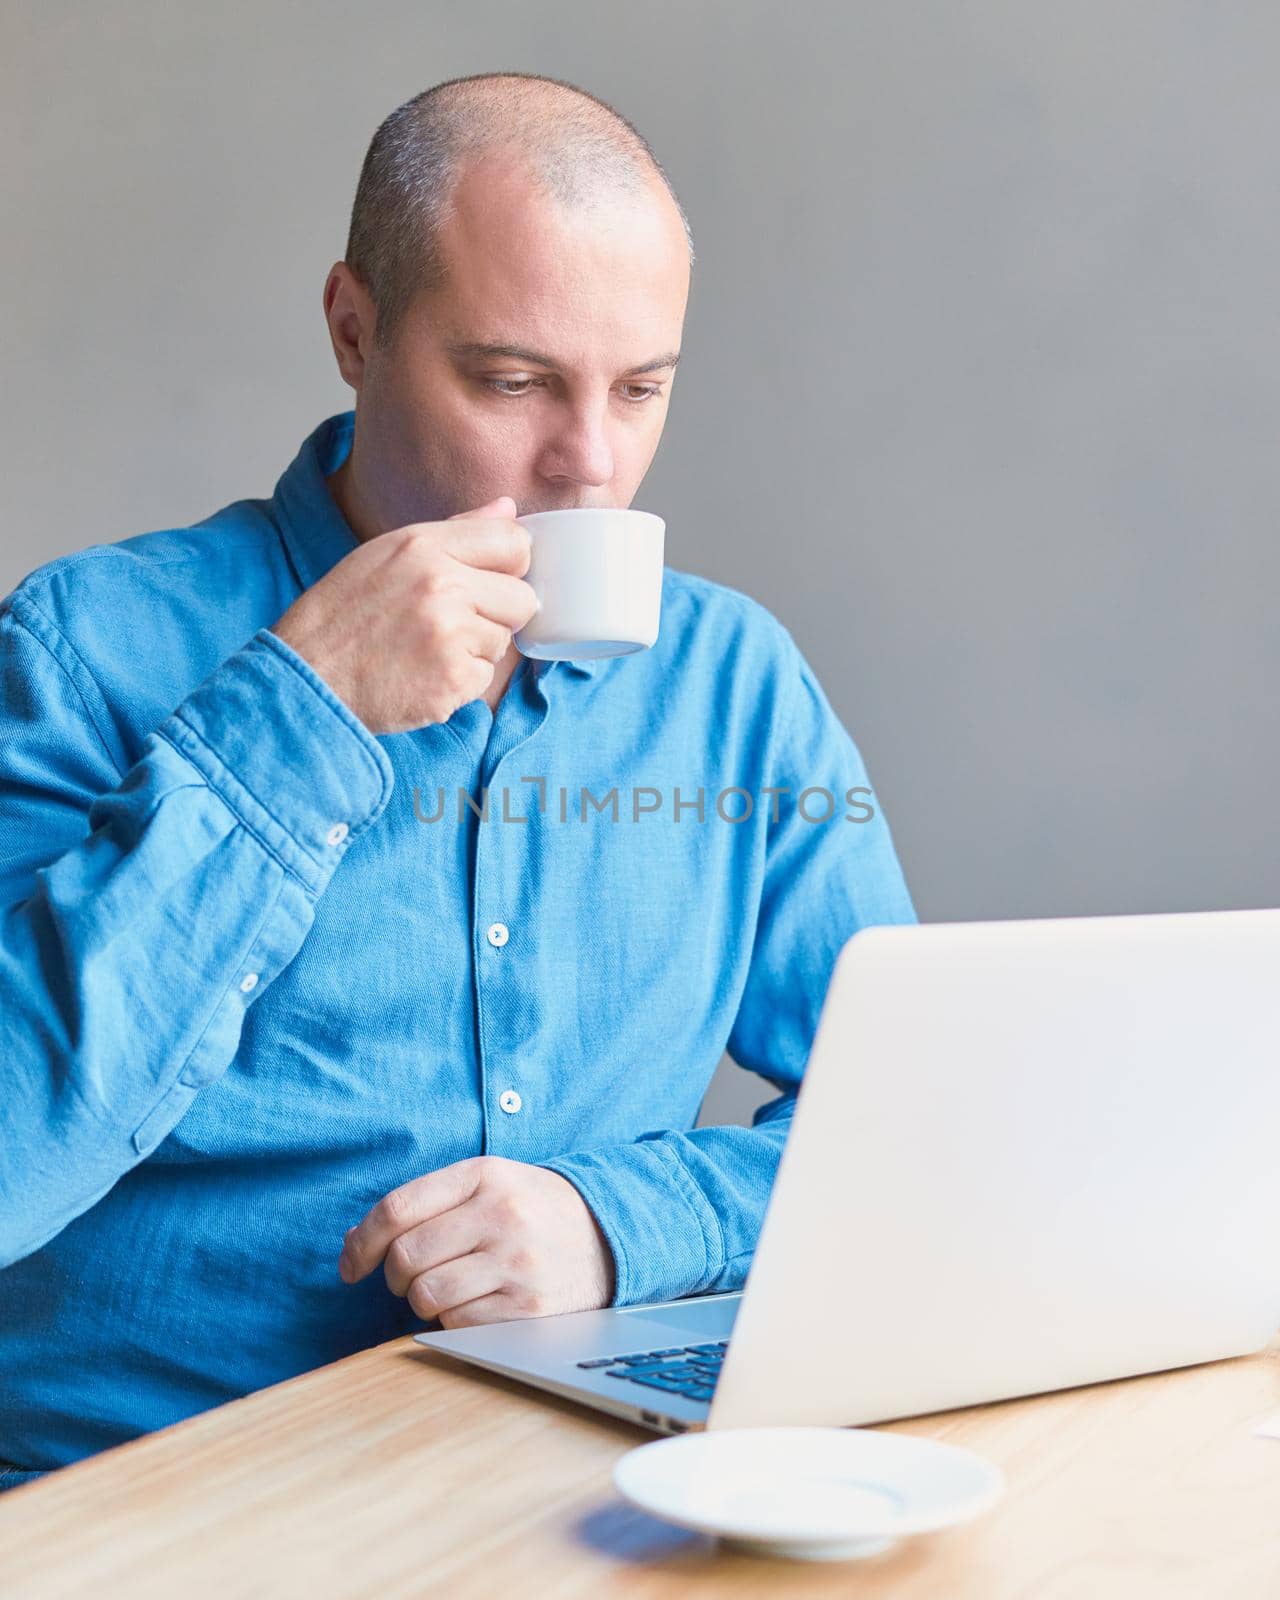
(249, 981)
(337, 833)
(509, 1100)
(497, 935)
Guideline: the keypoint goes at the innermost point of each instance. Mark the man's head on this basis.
(512, 211)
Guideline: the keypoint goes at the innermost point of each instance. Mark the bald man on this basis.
(292, 1062)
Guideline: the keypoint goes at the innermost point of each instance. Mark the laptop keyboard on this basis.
(688, 1369)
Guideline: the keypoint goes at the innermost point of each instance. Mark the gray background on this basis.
(979, 391)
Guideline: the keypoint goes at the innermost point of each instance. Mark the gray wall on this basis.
(979, 393)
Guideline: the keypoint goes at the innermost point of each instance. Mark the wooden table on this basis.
(397, 1473)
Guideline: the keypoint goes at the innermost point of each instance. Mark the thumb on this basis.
(503, 506)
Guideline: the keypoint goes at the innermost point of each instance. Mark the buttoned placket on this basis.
(499, 882)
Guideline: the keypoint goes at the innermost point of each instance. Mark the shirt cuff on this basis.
(290, 758)
(665, 1239)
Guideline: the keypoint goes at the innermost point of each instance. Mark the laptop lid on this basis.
(1025, 1155)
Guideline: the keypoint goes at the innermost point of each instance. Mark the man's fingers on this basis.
(496, 543)
(504, 598)
(494, 508)
(489, 640)
(446, 1237)
(418, 1201)
(452, 1285)
(498, 1307)
(490, 537)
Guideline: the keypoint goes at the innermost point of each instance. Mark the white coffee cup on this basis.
(597, 574)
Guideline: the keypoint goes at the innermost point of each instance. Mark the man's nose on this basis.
(580, 451)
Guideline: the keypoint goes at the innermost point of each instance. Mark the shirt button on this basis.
(510, 1101)
(337, 833)
(249, 981)
(497, 934)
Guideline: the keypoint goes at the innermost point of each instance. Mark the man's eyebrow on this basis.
(514, 352)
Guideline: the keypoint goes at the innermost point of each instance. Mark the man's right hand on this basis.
(410, 625)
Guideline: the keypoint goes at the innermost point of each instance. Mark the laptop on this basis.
(1025, 1155)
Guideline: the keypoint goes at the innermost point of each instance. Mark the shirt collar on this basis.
(316, 534)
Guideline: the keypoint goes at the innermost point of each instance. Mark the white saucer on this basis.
(816, 1494)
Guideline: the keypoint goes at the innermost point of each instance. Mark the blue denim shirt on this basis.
(259, 966)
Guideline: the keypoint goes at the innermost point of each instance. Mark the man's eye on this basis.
(504, 385)
(510, 386)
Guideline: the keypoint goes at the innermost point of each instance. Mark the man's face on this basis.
(444, 426)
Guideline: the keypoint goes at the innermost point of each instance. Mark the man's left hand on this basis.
(484, 1240)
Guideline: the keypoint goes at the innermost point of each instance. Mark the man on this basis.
(273, 1017)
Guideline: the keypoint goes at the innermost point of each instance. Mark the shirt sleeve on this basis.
(143, 911)
(682, 1211)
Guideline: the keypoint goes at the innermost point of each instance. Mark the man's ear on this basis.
(349, 311)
